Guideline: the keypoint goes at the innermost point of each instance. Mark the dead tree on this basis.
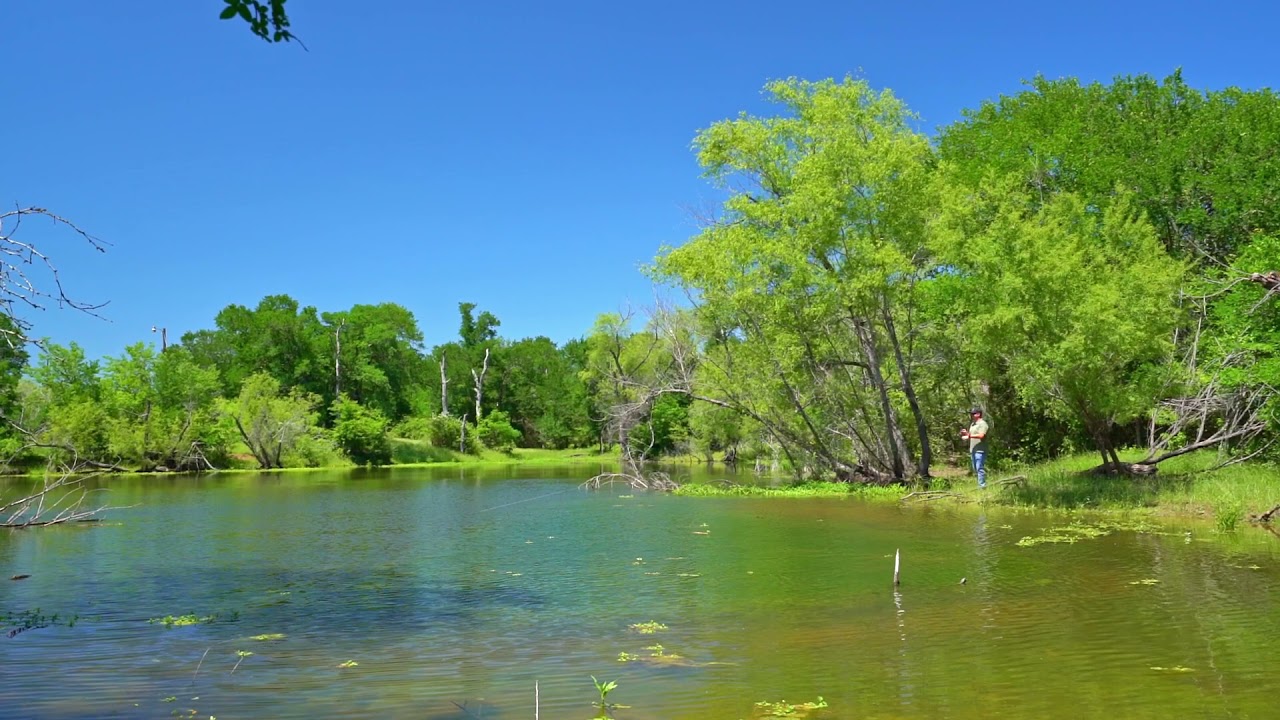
(479, 380)
(444, 386)
(1219, 415)
(18, 285)
(60, 497)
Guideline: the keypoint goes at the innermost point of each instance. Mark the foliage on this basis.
(784, 709)
(273, 423)
(603, 689)
(496, 433)
(170, 621)
(268, 20)
(361, 433)
(1076, 306)
(440, 431)
(803, 281)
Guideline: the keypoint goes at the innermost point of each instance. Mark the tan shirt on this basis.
(979, 427)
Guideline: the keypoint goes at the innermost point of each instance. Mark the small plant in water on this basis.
(605, 707)
(647, 628)
(784, 709)
(170, 621)
(242, 655)
(268, 636)
(348, 664)
(627, 657)
(21, 622)
(1227, 515)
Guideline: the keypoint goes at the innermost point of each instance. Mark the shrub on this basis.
(437, 430)
(496, 431)
(361, 432)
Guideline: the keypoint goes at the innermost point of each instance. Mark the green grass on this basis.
(1184, 485)
(799, 490)
(420, 453)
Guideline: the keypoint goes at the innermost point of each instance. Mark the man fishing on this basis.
(977, 437)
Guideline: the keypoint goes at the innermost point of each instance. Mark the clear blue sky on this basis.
(528, 157)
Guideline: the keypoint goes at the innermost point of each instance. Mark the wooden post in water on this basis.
(897, 564)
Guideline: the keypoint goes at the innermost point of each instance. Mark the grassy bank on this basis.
(1184, 486)
(415, 453)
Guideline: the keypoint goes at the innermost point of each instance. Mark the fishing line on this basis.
(517, 502)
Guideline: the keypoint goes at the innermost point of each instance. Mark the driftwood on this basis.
(1267, 516)
(927, 495)
(1124, 468)
(635, 479)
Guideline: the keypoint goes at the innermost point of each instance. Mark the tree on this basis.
(496, 432)
(1077, 305)
(270, 421)
(1201, 165)
(277, 337)
(537, 385)
(381, 361)
(811, 270)
(361, 433)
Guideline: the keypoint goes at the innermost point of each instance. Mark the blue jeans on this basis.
(980, 466)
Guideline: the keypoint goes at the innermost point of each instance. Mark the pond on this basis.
(447, 593)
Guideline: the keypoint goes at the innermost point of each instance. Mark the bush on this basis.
(437, 430)
(361, 433)
(314, 449)
(496, 431)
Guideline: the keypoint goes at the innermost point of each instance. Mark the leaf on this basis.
(228, 12)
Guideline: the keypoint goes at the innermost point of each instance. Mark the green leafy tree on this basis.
(1077, 305)
(277, 337)
(361, 433)
(496, 432)
(537, 385)
(812, 270)
(1201, 165)
(379, 359)
(272, 422)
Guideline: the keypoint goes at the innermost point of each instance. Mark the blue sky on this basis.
(527, 157)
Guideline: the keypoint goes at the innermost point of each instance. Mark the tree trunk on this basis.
(922, 429)
(479, 378)
(444, 386)
(337, 359)
(897, 442)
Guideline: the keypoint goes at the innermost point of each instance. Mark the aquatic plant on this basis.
(784, 709)
(605, 707)
(647, 628)
(1227, 514)
(348, 664)
(170, 621)
(21, 622)
(268, 636)
(1077, 531)
(242, 655)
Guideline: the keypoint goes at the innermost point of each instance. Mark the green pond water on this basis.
(455, 591)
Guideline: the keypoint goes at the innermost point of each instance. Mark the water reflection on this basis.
(451, 588)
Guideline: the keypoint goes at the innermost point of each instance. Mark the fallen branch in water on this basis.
(1268, 516)
(636, 480)
(927, 495)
